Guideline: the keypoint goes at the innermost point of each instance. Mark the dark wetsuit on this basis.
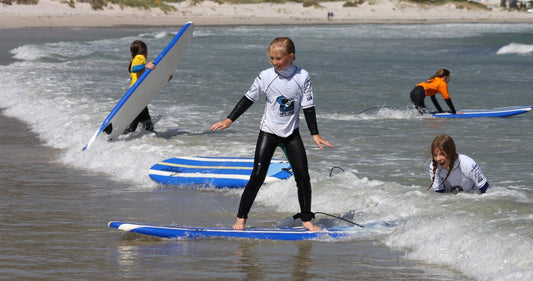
(286, 93)
(295, 151)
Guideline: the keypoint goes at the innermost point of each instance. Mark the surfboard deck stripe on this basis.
(495, 112)
(218, 172)
(184, 232)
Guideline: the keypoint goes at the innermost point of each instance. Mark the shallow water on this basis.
(58, 200)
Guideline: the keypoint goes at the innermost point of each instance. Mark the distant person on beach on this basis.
(453, 172)
(437, 83)
(287, 89)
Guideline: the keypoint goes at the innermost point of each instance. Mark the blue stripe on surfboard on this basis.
(495, 112)
(133, 88)
(216, 181)
(201, 181)
(183, 232)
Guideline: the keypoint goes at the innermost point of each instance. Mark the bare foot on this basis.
(239, 224)
(310, 226)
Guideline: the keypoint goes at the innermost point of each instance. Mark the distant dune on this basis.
(52, 13)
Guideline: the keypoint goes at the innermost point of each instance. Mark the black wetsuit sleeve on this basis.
(310, 118)
(450, 104)
(240, 108)
(436, 103)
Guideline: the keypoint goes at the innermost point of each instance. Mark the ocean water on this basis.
(58, 85)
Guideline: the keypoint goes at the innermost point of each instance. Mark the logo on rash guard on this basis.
(286, 106)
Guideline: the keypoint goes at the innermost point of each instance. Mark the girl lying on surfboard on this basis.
(452, 172)
(438, 83)
(287, 89)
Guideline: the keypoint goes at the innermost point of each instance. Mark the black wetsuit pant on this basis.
(295, 152)
(144, 118)
(417, 97)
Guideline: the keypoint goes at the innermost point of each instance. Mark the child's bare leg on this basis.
(239, 224)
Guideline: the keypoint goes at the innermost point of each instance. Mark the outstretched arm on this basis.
(237, 111)
(310, 118)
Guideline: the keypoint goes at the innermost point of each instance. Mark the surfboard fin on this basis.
(109, 129)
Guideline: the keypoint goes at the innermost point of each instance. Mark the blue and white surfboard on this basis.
(494, 112)
(218, 172)
(285, 233)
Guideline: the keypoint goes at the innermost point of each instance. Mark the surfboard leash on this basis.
(373, 108)
(333, 168)
(343, 219)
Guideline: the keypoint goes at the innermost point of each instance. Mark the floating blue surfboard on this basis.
(218, 172)
(494, 112)
(184, 232)
(146, 87)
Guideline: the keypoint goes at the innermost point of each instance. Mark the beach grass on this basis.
(459, 4)
(165, 7)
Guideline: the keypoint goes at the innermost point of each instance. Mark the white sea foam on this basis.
(516, 49)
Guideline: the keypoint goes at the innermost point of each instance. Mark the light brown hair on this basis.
(446, 144)
(443, 72)
(285, 43)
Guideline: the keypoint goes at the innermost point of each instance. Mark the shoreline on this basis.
(52, 13)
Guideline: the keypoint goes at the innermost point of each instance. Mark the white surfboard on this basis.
(147, 86)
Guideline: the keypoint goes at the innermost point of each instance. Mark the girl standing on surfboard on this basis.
(453, 172)
(438, 83)
(287, 89)
(138, 64)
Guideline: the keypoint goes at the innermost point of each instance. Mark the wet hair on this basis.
(446, 144)
(285, 43)
(138, 47)
(443, 72)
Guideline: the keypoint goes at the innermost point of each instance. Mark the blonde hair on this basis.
(445, 144)
(284, 43)
(443, 72)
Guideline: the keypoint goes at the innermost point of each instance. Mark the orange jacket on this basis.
(434, 86)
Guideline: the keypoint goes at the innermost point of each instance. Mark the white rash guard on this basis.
(286, 92)
(465, 174)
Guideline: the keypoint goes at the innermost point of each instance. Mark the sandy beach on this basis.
(53, 13)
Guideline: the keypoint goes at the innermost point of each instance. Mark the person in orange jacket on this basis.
(438, 83)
